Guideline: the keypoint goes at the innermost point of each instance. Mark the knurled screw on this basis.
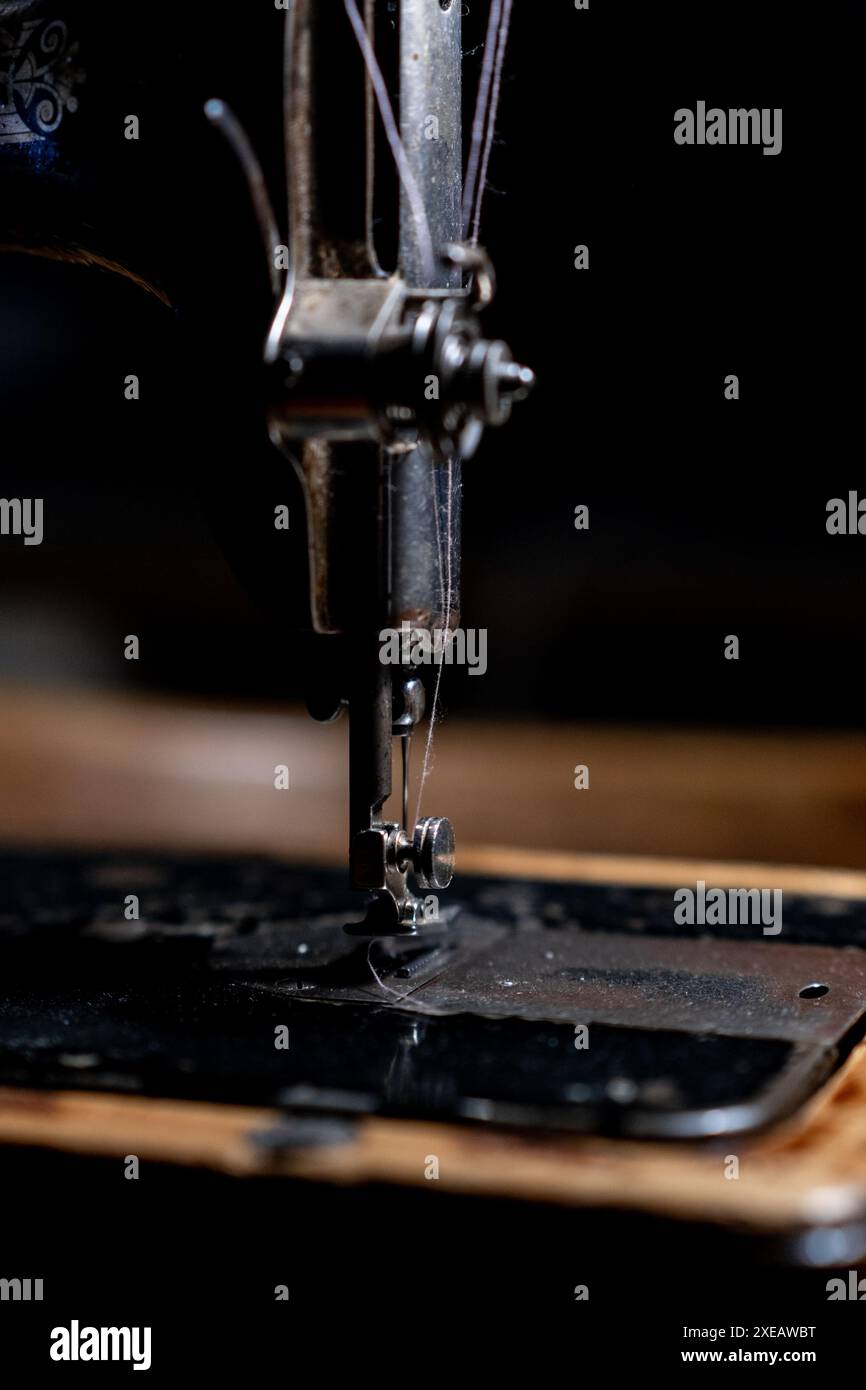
(433, 852)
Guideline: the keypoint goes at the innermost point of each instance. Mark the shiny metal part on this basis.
(380, 384)
(414, 702)
(433, 852)
(221, 116)
(430, 66)
(381, 361)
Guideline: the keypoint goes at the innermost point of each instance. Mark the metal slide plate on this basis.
(688, 1034)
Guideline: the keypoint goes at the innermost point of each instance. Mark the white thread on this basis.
(479, 159)
(502, 40)
(379, 981)
(479, 120)
(425, 766)
(404, 168)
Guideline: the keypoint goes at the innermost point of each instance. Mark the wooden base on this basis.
(809, 1171)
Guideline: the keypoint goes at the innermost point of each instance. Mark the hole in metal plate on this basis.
(814, 991)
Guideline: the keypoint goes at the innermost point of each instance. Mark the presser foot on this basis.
(382, 860)
(415, 917)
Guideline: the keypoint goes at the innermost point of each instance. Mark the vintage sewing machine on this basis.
(382, 387)
(336, 1007)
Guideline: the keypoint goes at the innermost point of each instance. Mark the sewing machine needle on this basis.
(405, 751)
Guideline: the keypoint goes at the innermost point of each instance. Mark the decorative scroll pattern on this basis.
(38, 74)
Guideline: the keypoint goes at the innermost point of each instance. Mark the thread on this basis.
(398, 149)
(446, 566)
(479, 120)
(483, 128)
(398, 994)
(499, 60)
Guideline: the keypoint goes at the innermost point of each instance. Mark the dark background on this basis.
(707, 516)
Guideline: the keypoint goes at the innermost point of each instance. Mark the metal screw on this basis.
(433, 852)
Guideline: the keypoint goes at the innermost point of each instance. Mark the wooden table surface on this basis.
(109, 770)
(105, 768)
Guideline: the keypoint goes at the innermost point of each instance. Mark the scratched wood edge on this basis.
(636, 870)
(809, 1170)
(658, 872)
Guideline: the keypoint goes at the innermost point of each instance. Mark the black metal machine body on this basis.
(382, 384)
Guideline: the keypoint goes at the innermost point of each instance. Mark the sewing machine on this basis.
(381, 387)
(374, 1023)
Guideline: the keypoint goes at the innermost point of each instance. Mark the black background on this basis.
(707, 516)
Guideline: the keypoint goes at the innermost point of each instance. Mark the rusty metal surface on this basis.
(689, 1035)
(747, 990)
(430, 85)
